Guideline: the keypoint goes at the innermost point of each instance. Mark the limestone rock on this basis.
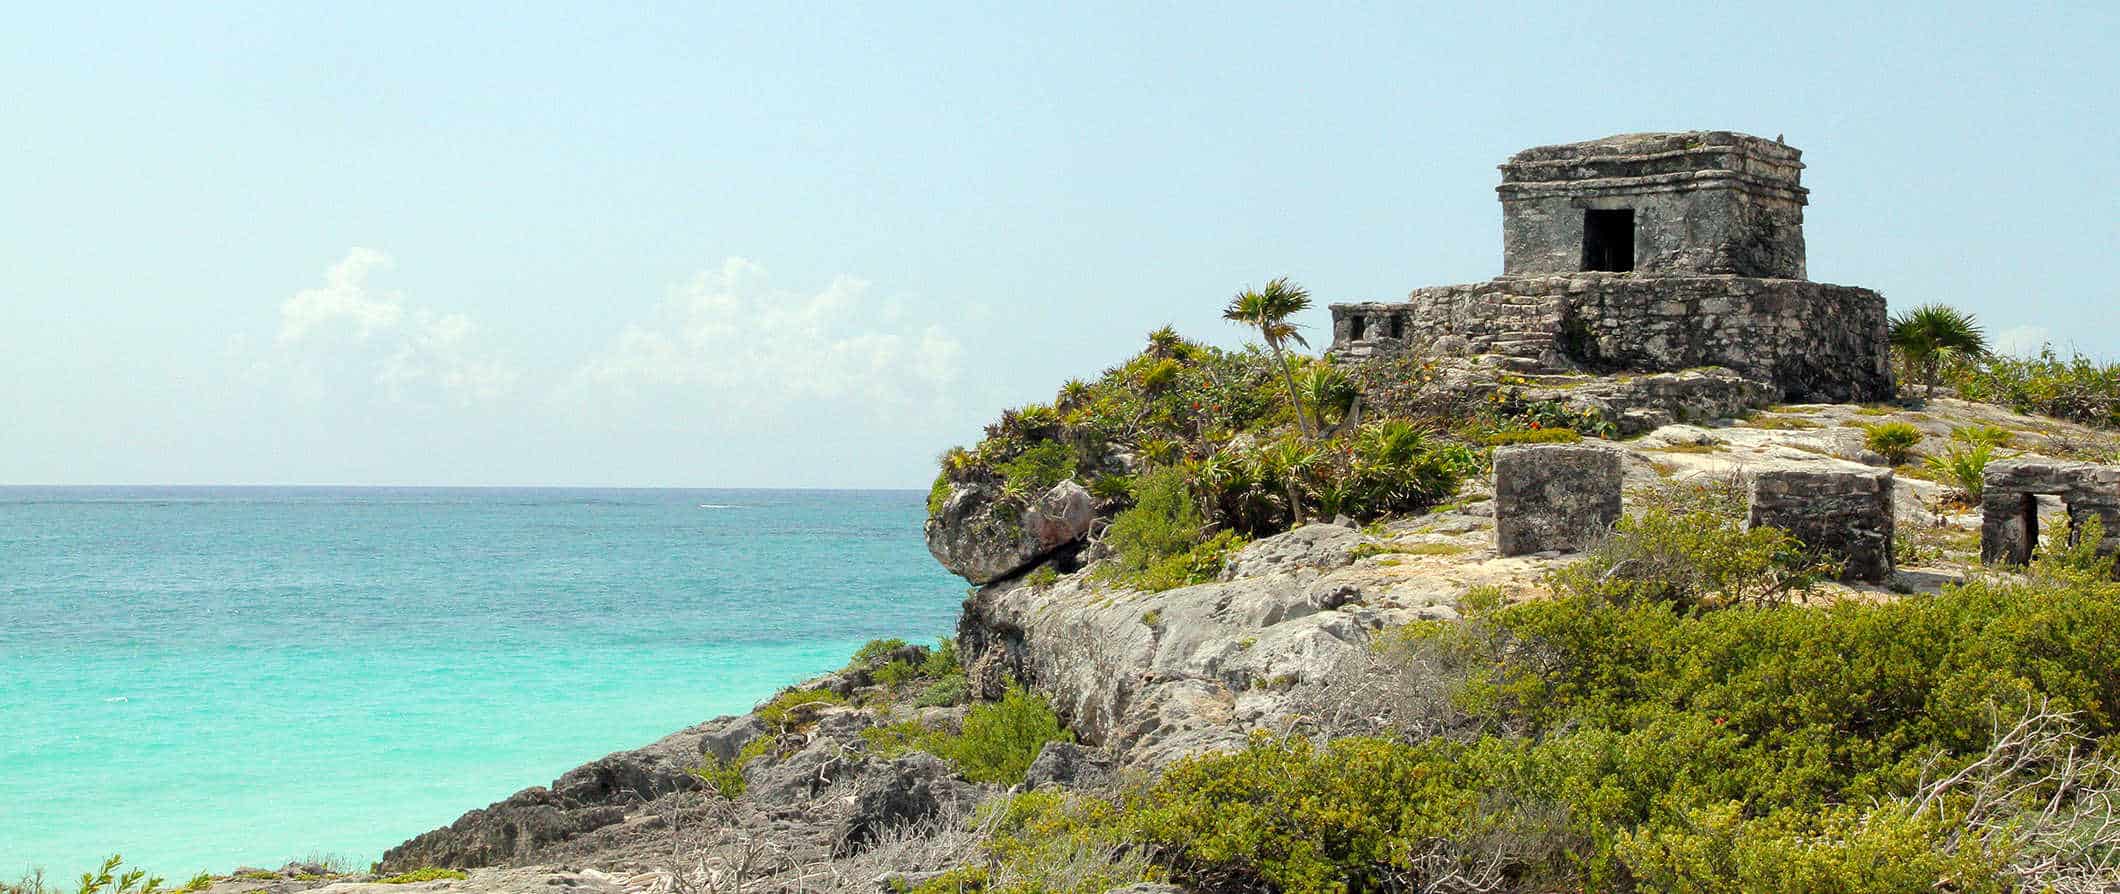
(1068, 765)
(906, 790)
(982, 536)
(585, 798)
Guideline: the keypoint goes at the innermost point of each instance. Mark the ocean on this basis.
(200, 678)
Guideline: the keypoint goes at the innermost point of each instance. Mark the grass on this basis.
(429, 874)
(1408, 549)
(1692, 448)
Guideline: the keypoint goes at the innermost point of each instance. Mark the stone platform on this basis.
(1813, 342)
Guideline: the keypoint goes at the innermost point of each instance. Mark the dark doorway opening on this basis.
(1355, 325)
(1398, 326)
(1608, 239)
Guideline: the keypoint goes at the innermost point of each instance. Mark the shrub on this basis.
(1162, 523)
(949, 690)
(895, 674)
(2077, 389)
(726, 777)
(1533, 436)
(938, 494)
(1692, 561)
(1964, 468)
(1631, 747)
(1000, 739)
(776, 714)
(429, 874)
(997, 743)
(874, 650)
(1990, 435)
(1037, 469)
(1895, 441)
(1932, 335)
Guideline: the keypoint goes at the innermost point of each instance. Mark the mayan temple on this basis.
(1649, 254)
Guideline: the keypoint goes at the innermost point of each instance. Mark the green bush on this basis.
(1991, 435)
(776, 714)
(2077, 389)
(1895, 441)
(1628, 746)
(1692, 561)
(997, 743)
(874, 650)
(1162, 523)
(1963, 467)
(726, 777)
(949, 690)
(1532, 436)
(429, 874)
(938, 494)
(1037, 469)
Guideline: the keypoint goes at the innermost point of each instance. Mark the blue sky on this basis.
(813, 244)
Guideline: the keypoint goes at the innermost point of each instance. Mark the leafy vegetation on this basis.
(2077, 388)
(1533, 436)
(429, 874)
(780, 715)
(1622, 744)
(1928, 337)
(1895, 441)
(997, 743)
(1268, 310)
(1964, 468)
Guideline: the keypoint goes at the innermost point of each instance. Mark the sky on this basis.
(812, 245)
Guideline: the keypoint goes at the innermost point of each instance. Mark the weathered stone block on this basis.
(1554, 497)
(1846, 515)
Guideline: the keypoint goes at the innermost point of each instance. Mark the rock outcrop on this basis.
(1156, 676)
(589, 797)
(983, 536)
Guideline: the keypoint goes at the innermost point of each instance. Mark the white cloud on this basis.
(727, 336)
(2022, 340)
(346, 298)
(406, 351)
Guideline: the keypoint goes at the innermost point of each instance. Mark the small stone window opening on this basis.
(1398, 326)
(1608, 239)
(1355, 325)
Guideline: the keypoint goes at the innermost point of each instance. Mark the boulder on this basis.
(1068, 765)
(909, 789)
(982, 536)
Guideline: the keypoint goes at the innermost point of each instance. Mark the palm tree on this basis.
(1932, 333)
(1268, 310)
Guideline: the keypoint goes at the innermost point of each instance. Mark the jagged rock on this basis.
(799, 776)
(1311, 547)
(1068, 765)
(1153, 677)
(982, 537)
(585, 798)
(906, 790)
(723, 737)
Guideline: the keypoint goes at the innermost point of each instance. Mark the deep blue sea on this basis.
(206, 677)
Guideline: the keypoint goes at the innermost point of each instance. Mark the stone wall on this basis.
(2009, 506)
(1554, 497)
(1813, 341)
(1703, 202)
(1846, 515)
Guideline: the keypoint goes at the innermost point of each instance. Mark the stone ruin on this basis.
(1843, 514)
(2009, 504)
(1648, 253)
(1552, 497)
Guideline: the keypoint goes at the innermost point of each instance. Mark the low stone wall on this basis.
(1844, 514)
(2009, 507)
(1554, 497)
(1813, 341)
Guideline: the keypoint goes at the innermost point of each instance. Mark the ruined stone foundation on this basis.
(1812, 342)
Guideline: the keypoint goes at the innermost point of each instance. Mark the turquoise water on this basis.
(207, 677)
